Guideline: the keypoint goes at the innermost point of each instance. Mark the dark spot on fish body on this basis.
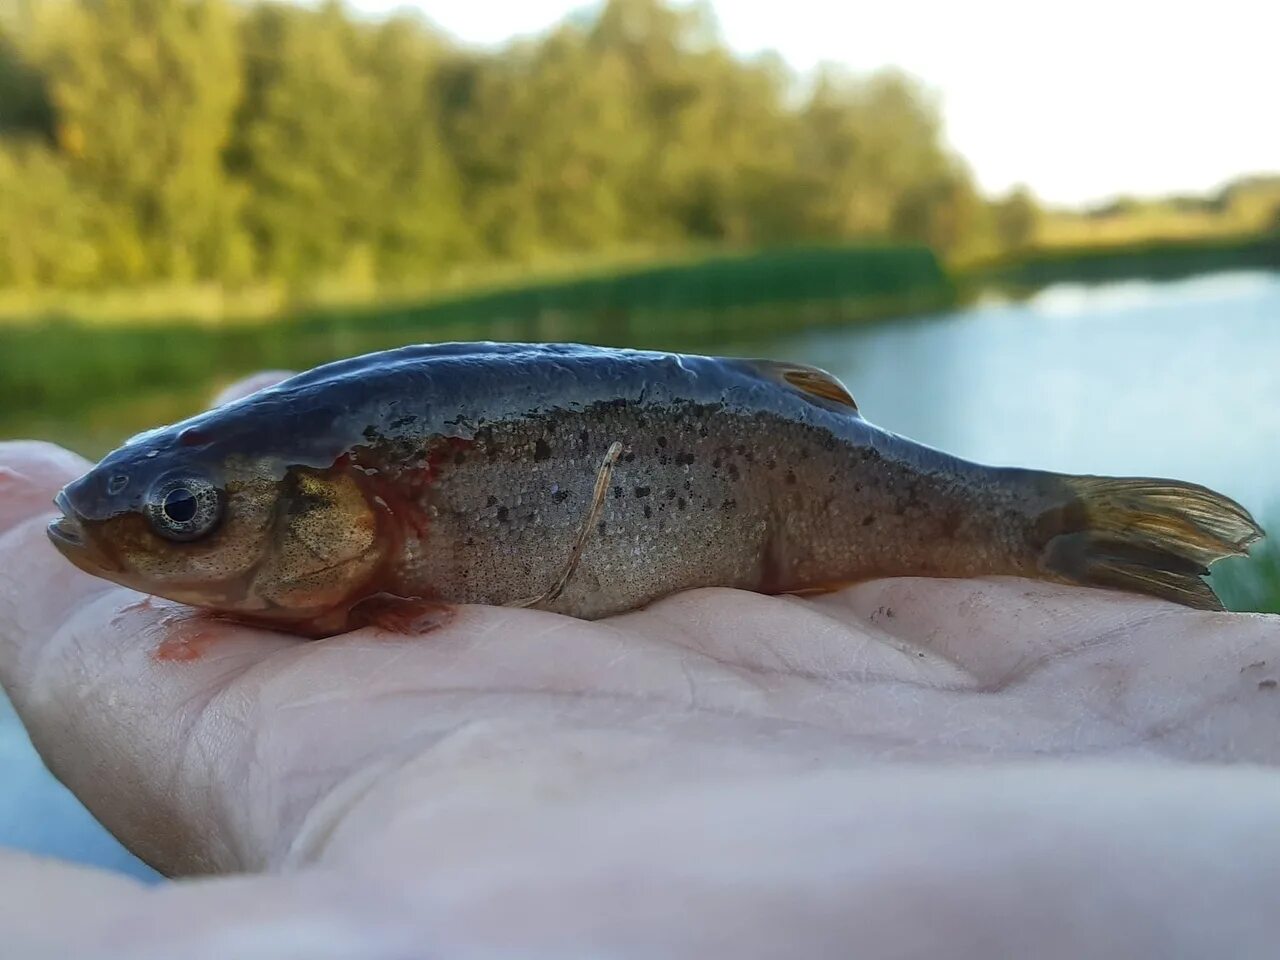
(617, 493)
(559, 496)
(684, 459)
(671, 493)
(648, 511)
(628, 458)
(868, 520)
(1267, 684)
(541, 450)
(641, 492)
(492, 501)
(733, 472)
(729, 505)
(584, 438)
(601, 527)
(680, 503)
(503, 514)
(662, 441)
(664, 460)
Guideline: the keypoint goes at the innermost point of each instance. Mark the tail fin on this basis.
(1156, 537)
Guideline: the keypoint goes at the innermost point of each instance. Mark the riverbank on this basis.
(1141, 260)
(89, 382)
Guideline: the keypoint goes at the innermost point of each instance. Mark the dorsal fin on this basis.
(818, 386)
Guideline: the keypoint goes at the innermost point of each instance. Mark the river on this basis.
(1178, 379)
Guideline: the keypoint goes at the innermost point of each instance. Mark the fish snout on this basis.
(70, 536)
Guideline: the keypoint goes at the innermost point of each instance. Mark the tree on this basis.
(24, 100)
(867, 143)
(1017, 219)
(47, 228)
(337, 143)
(144, 91)
(944, 212)
(193, 139)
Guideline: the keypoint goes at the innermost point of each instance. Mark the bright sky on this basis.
(1080, 99)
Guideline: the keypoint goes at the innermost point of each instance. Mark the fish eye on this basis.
(183, 508)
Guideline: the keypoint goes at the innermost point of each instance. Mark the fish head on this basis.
(231, 531)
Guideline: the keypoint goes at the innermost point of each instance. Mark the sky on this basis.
(1082, 100)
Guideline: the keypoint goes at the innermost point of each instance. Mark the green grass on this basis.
(1148, 259)
(89, 385)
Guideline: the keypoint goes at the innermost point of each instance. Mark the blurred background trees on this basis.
(201, 140)
(153, 142)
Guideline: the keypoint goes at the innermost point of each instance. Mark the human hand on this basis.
(908, 767)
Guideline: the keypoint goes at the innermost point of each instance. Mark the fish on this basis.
(591, 481)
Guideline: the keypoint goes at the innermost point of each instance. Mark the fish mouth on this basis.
(66, 530)
(69, 536)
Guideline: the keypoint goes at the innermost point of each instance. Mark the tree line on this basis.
(146, 141)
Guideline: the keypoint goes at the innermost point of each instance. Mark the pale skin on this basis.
(969, 769)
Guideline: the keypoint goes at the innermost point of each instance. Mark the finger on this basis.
(37, 587)
(30, 473)
(53, 910)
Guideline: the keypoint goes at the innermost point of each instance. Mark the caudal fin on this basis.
(1156, 537)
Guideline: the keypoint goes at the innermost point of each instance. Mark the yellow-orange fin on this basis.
(816, 385)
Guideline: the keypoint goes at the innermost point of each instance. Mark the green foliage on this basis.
(50, 226)
(1149, 259)
(24, 101)
(144, 91)
(1252, 584)
(193, 141)
(337, 143)
(1017, 219)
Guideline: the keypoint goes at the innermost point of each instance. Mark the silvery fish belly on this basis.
(592, 481)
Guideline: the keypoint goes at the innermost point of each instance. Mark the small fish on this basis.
(591, 481)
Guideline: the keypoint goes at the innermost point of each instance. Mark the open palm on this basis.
(907, 767)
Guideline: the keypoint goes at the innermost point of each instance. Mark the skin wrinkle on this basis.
(12, 613)
(873, 635)
(1032, 665)
(681, 635)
